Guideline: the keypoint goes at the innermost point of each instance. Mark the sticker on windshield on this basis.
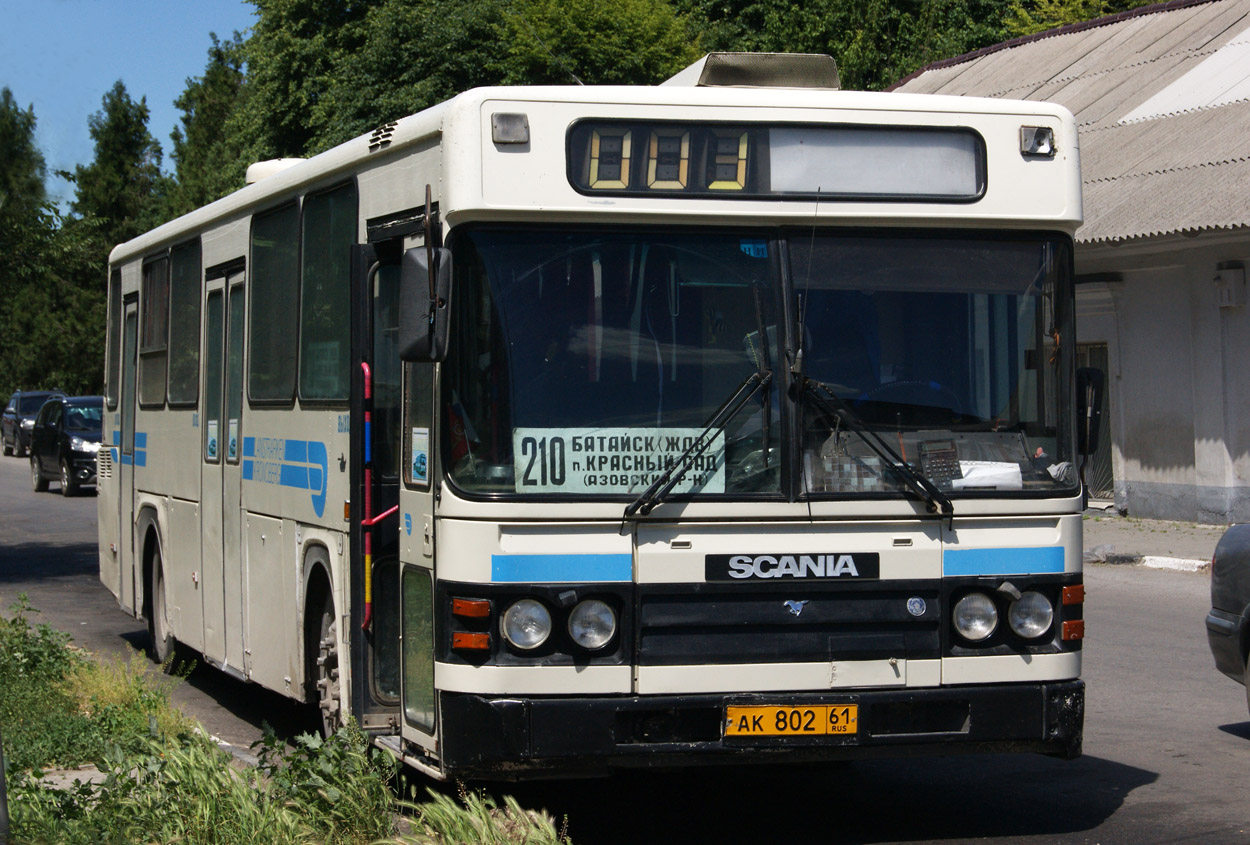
(613, 460)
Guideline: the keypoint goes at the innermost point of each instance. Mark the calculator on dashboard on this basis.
(939, 461)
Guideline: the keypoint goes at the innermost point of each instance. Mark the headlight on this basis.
(77, 444)
(975, 616)
(592, 624)
(526, 624)
(1030, 615)
(28, 423)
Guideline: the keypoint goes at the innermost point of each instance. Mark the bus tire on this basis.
(161, 641)
(327, 696)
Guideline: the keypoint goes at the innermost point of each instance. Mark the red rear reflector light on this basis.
(1074, 629)
(470, 608)
(470, 642)
(1074, 594)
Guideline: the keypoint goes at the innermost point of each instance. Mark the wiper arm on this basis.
(915, 480)
(667, 480)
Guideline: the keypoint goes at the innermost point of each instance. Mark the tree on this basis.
(22, 166)
(123, 185)
(321, 73)
(208, 163)
(1029, 16)
(875, 42)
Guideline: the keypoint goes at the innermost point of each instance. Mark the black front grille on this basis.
(726, 624)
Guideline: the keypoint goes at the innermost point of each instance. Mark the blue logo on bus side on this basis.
(408, 523)
(299, 464)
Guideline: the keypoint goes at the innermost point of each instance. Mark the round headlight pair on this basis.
(976, 616)
(526, 624)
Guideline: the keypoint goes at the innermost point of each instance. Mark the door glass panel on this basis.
(385, 655)
(386, 372)
(212, 376)
(419, 648)
(128, 383)
(234, 373)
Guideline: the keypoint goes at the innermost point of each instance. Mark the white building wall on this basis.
(1180, 376)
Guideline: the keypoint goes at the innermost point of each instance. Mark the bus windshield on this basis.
(585, 362)
(949, 348)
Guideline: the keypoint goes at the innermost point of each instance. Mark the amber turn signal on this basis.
(1074, 594)
(466, 641)
(470, 608)
(1074, 629)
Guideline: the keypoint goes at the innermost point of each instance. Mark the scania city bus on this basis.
(554, 430)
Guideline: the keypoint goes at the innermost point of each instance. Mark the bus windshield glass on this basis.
(586, 363)
(951, 349)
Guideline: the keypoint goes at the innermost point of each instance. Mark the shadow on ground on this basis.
(958, 798)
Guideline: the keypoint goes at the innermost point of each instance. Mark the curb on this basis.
(1176, 564)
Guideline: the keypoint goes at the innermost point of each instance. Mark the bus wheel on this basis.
(329, 691)
(160, 637)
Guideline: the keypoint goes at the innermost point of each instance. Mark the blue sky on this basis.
(61, 56)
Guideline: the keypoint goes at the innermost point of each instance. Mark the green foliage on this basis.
(1027, 17)
(321, 73)
(875, 42)
(21, 165)
(123, 184)
(58, 708)
(479, 819)
(208, 163)
(188, 790)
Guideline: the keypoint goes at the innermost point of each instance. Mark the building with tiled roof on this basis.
(1161, 95)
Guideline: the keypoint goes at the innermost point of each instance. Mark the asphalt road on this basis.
(1167, 739)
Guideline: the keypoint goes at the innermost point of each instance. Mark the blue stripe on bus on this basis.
(1007, 561)
(537, 568)
(247, 470)
(249, 447)
(141, 440)
(295, 450)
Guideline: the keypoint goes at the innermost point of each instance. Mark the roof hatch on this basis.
(760, 70)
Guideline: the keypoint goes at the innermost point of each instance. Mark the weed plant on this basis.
(166, 782)
(59, 708)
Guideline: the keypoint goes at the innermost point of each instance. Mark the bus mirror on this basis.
(1090, 383)
(423, 322)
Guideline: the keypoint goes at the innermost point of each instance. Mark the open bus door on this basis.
(375, 493)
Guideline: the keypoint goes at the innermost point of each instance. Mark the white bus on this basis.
(564, 429)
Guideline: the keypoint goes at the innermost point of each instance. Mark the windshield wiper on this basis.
(915, 480)
(667, 480)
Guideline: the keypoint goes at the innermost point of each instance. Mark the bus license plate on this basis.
(780, 720)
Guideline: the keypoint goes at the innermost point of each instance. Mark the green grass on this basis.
(166, 781)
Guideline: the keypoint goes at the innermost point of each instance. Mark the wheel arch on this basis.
(148, 534)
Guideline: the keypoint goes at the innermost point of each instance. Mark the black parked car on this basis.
(19, 416)
(1228, 623)
(64, 442)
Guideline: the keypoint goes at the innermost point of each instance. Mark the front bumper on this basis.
(518, 737)
(1224, 638)
(83, 467)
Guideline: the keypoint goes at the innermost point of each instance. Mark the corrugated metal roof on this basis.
(1162, 97)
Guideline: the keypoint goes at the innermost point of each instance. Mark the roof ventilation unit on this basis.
(761, 70)
(265, 169)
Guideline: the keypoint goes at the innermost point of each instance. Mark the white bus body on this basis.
(622, 259)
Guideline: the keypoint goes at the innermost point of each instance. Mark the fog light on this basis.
(592, 624)
(1030, 615)
(975, 616)
(526, 624)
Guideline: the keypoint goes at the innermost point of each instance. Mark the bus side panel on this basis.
(268, 594)
(107, 490)
(182, 573)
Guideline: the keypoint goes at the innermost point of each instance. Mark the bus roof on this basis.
(407, 131)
